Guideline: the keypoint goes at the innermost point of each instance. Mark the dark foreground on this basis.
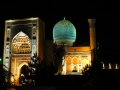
(108, 80)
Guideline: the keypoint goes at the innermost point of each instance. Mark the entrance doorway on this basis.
(23, 77)
(20, 54)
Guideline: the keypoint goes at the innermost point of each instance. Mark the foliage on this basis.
(27, 76)
(32, 74)
(95, 68)
(46, 69)
(4, 77)
(58, 54)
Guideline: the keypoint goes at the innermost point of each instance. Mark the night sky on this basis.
(106, 14)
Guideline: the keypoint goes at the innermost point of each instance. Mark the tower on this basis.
(92, 37)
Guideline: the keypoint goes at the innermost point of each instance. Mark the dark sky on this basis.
(106, 14)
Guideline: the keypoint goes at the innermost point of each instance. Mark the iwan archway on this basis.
(22, 38)
(20, 54)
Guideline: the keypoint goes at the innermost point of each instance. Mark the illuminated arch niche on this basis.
(20, 54)
(21, 44)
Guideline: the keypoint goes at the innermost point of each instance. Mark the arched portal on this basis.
(23, 73)
(20, 54)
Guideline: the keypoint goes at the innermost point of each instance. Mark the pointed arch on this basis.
(69, 68)
(20, 66)
(68, 60)
(75, 60)
(20, 43)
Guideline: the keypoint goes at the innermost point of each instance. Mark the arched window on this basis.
(68, 60)
(75, 60)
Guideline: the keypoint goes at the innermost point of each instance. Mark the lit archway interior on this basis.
(76, 62)
(20, 54)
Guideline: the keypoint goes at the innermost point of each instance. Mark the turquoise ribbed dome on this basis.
(64, 32)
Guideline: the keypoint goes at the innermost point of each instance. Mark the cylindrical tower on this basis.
(92, 36)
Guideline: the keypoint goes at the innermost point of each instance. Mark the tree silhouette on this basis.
(28, 73)
(33, 66)
(4, 77)
(95, 68)
(58, 54)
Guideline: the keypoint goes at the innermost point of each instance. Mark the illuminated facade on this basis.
(24, 37)
(77, 57)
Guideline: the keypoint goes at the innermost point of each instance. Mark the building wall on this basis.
(35, 33)
(41, 42)
(48, 51)
(76, 61)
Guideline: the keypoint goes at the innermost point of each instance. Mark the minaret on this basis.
(92, 37)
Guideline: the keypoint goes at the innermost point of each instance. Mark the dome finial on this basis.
(64, 18)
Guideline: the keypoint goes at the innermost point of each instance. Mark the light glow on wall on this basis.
(116, 67)
(109, 66)
(77, 61)
(103, 65)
